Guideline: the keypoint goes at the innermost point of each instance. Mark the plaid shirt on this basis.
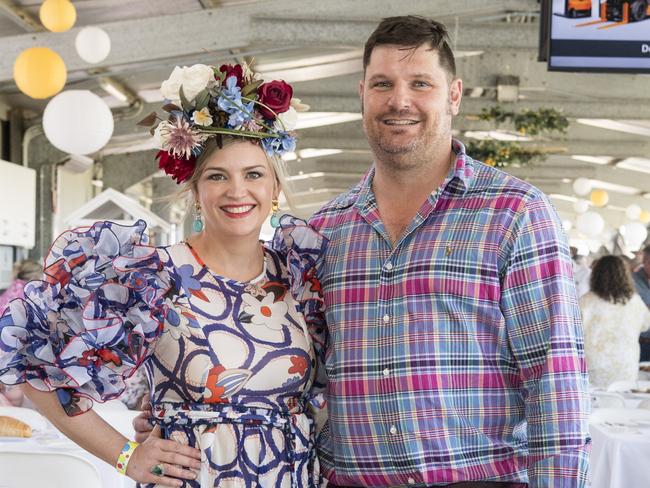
(457, 353)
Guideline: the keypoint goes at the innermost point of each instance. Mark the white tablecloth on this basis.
(49, 440)
(620, 455)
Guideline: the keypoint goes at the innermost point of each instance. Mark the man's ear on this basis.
(361, 90)
(455, 95)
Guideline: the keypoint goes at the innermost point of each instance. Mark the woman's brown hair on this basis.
(611, 280)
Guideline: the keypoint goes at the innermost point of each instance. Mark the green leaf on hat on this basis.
(149, 120)
(170, 107)
(202, 99)
(185, 103)
(251, 87)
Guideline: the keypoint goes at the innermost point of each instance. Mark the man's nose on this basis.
(400, 98)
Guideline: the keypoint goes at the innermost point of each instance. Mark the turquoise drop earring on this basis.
(275, 220)
(197, 223)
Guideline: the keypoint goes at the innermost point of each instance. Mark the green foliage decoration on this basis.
(531, 123)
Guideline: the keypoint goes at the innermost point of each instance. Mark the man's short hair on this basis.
(412, 31)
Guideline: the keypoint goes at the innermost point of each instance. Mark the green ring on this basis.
(157, 470)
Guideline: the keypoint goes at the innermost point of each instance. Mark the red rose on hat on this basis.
(276, 95)
(235, 71)
(179, 169)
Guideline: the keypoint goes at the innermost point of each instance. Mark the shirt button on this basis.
(411, 481)
(386, 372)
(386, 318)
(393, 429)
(389, 266)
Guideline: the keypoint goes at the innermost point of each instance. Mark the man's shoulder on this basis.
(336, 209)
(493, 183)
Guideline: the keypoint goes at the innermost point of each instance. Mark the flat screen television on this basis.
(605, 35)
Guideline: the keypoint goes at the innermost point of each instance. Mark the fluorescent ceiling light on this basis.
(565, 198)
(635, 164)
(604, 185)
(307, 120)
(316, 72)
(309, 61)
(593, 159)
(306, 176)
(496, 134)
(627, 126)
(310, 153)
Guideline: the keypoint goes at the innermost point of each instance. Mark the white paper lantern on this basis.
(581, 186)
(581, 206)
(93, 44)
(633, 212)
(590, 224)
(78, 122)
(634, 234)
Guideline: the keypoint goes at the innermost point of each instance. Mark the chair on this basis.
(606, 399)
(28, 469)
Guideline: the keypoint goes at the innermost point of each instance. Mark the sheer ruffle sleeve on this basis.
(93, 318)
(304, 249)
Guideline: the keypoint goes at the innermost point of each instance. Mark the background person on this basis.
(613, 316)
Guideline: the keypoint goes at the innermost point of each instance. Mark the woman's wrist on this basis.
(125, 456)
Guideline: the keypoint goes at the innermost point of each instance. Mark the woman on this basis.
(219, 320)
(613, 316)
(24, 271)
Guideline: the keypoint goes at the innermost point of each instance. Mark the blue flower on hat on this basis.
(279, 145)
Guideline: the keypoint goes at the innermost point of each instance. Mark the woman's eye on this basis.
(216, 177)
(254, 175)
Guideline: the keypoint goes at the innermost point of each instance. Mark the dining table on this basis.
(46, 439)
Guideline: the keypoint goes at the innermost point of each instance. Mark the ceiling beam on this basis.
(612, 108)
(139, 40)
(337, 32)
(20, 16)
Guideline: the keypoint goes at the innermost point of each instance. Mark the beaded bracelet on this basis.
(125, 456)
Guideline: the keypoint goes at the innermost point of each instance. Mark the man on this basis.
(453, 345)
(641, 279)
(455, 351)
(581, 272)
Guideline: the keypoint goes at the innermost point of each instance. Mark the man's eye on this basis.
(422, 84)
(382, 84)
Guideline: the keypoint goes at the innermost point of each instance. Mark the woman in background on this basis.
(613, 316)
(24, 271)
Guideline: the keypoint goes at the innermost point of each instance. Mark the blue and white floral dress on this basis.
(231, 364)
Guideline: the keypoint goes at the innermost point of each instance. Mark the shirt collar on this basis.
(461, 170)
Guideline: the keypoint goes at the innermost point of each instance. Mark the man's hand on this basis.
(141, 423)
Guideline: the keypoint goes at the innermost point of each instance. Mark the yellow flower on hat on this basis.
(202, 117)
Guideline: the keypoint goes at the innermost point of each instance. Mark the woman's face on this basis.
(235, 190)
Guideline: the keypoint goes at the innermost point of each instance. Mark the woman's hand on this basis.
(141, 423)
(174, 458)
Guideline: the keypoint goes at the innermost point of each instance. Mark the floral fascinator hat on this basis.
(205, 101)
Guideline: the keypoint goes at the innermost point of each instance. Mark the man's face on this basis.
(408, 103)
